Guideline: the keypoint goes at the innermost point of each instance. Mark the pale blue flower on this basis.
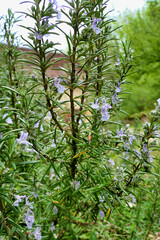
(120, 133)
(111, 162)
(48, 117)
(53, 144)
(131, 138)
(37, 233)
(34, 193)
(55, 210)
(29, 219)
(118, 89)
(37, 126)
(29, 203)
(133, 198)
(96, 104)
(114, 98)
(39, 36)
(105, 115)
(60, 88)
(58, 14)
(52, 227)
(118, 62)
(104, 110)
(96, 29)
(8, 120)
(158, 100)
(101, 214)
(52, 174)
(23, 139)
(19, 199)
(77, 184)
(147, 152)
(137, 154)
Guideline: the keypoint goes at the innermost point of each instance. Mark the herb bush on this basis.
(89, 177)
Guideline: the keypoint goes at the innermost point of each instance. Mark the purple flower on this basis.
(28, 203)
(105, 115)
(104, 110)
(96, 104)
(131, 138)
(111, 162)
(19, 199)
(137, 154)
(37, 126)
(101, 214)
(58, 14)
(8, 120)
(57, 84)
(31, 150)
(114, 98)
(29, 219)
(120, 133)
(77, 184)
(34, 193)
(133, 198)
(52, 174)
(55, 210)
(96, 29)
(48, 117)
(118, 89)
(118, 62)
(23, 139)
(52, 227)
(39, 36)
(37, 233)
(53, 144)
(147, 152)
(58, 9)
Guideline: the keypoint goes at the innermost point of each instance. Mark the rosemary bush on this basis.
(83, 178)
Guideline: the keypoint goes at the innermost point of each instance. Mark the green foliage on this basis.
(74, 179)
(142, 29)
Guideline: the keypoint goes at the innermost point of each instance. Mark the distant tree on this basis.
(142, 29)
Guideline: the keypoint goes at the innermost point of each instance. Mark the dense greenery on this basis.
(68, 169)
(142, 29)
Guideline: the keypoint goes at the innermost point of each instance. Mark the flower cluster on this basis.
(23, 140)
(146, 153)
(29, 219)
(117, 90)
(37, 233)
(104, 108)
